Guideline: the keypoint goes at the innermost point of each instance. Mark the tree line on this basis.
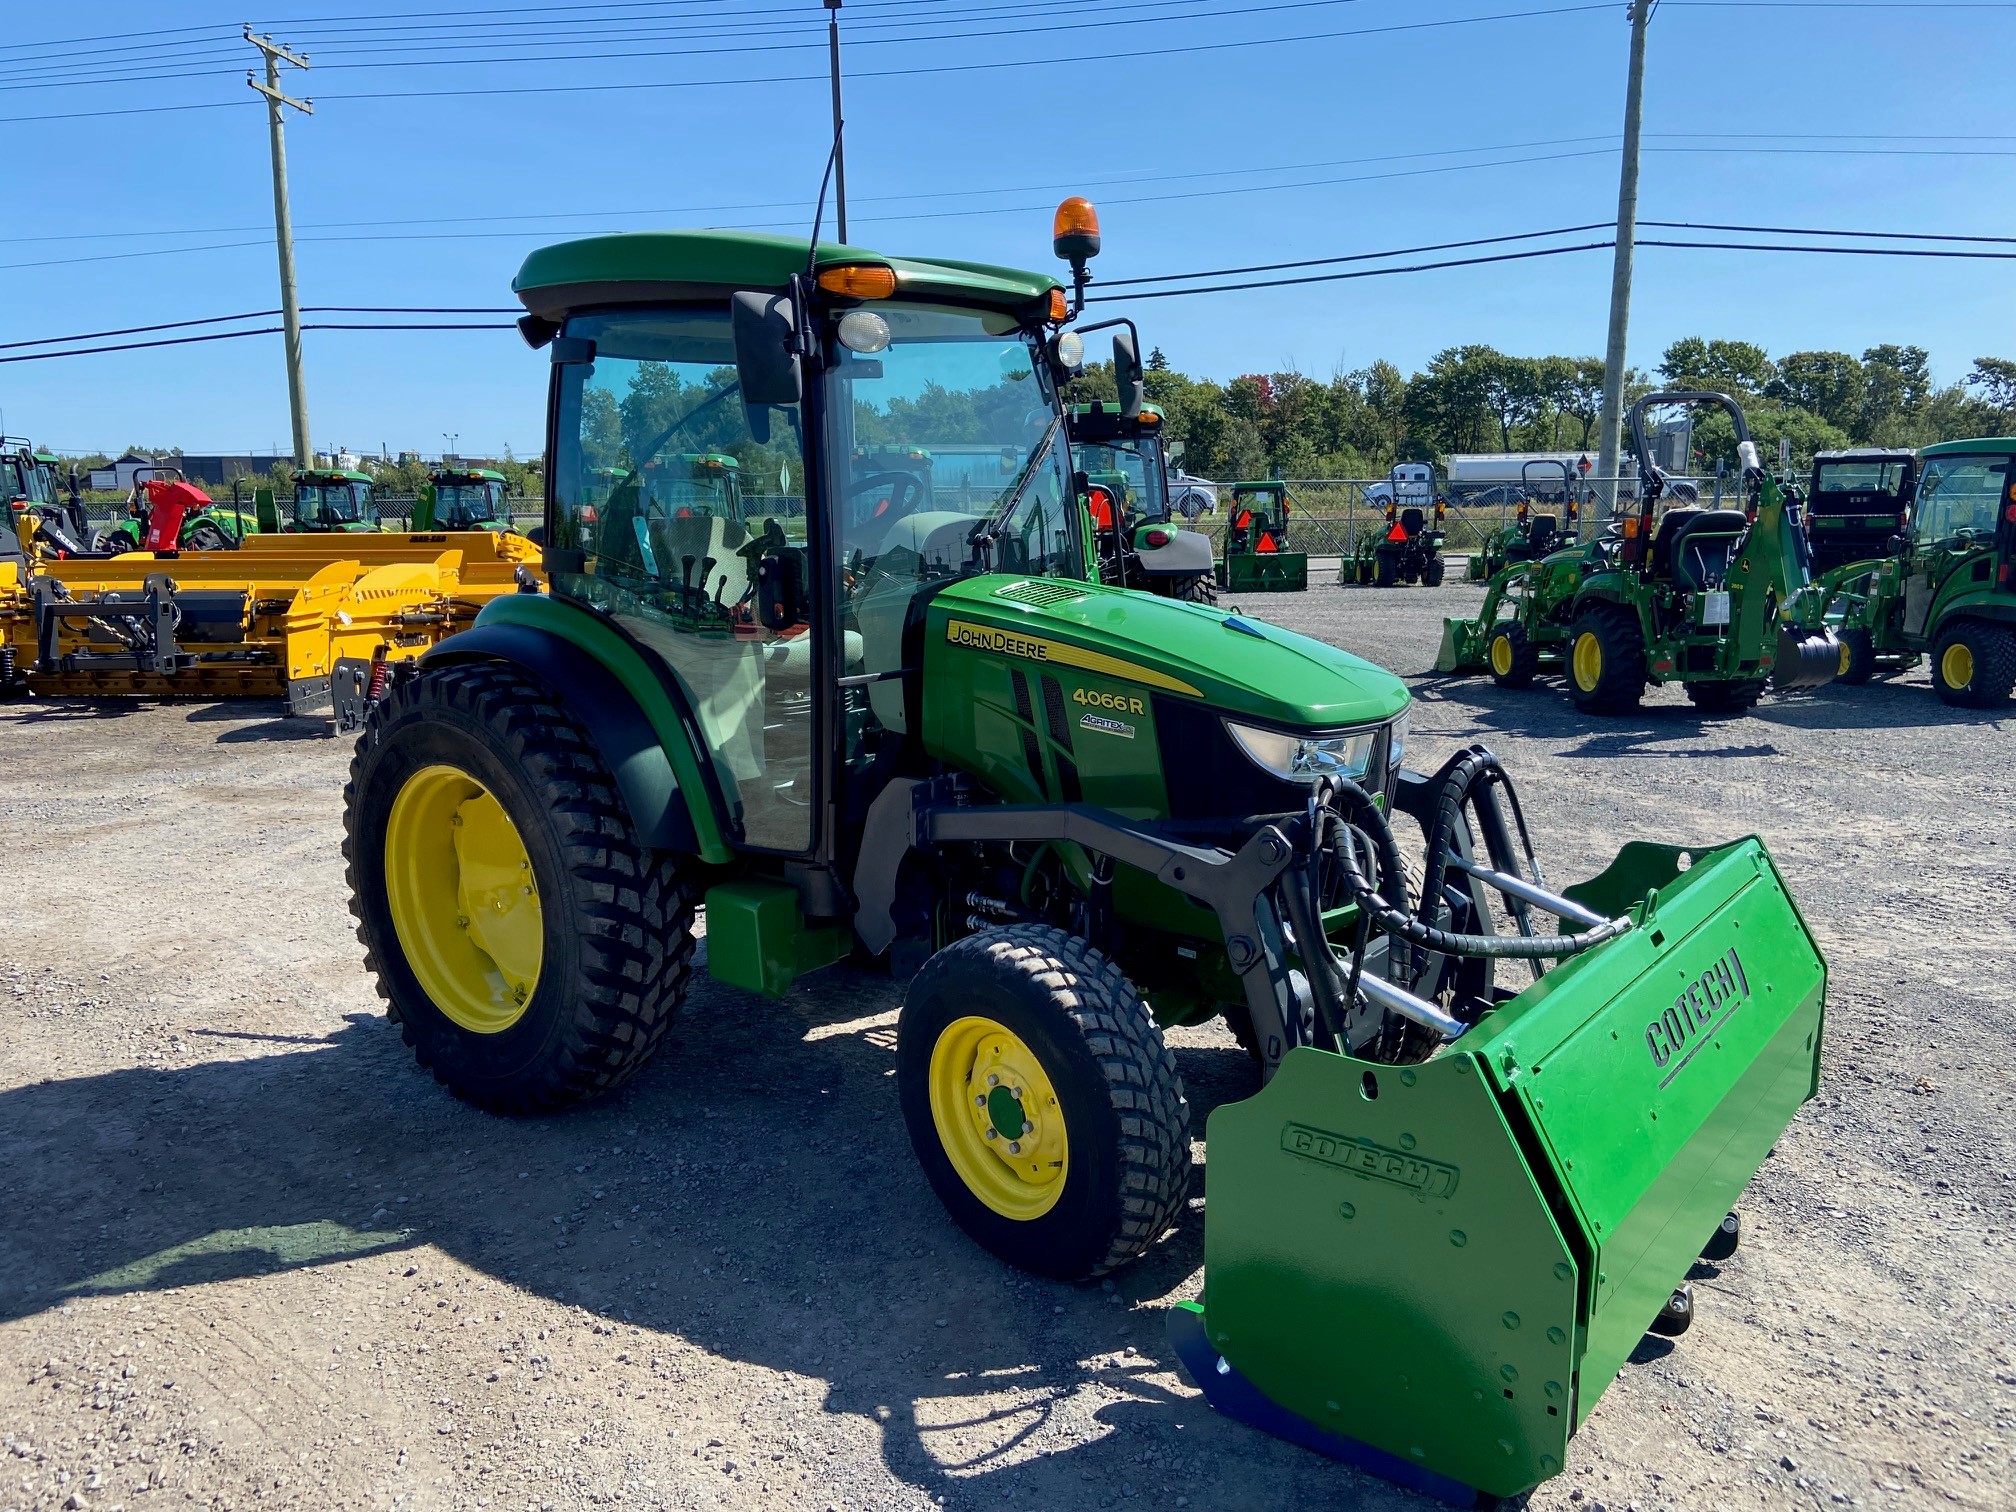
(1475, 398)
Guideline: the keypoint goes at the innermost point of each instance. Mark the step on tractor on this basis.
(1948, 589)
(1408, 547)
(1856, 502)
(166, 512)
(1069, 814)
(1716, 600)
(1125, 482)
(1256, 555)
(1530, 536)
(462, 498)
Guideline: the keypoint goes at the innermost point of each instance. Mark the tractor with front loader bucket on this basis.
(1948, 590)
(1070, 814)
(1125, 482)
(1717, 600)
(1256, 557)
(1529, 536)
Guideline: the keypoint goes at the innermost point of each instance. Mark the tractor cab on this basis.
(1121, 465)
(1856, 501)
(464, 498)
(334, 499)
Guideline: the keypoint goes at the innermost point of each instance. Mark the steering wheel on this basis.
(905, 491)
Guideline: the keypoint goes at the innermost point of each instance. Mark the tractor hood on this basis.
(1235, 665)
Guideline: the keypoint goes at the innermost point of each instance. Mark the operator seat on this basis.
(1540, 533)
(1412, 521)
(1695, 546)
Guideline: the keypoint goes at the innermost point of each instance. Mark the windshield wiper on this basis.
(989, 529)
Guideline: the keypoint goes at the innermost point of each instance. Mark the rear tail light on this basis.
(1158, 537)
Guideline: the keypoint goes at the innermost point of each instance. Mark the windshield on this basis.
(939, 429)
(1132, 470)
(325, 504)
(466, 503)
(1958, 493)
(1860, 477)
(19, 480)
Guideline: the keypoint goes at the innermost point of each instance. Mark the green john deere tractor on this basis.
(1257, 558)
(462, 498)
(1126, 486)
(1947, 590)
(1716, 600)
(1530, 536)
(1069, 814)
(334, 499)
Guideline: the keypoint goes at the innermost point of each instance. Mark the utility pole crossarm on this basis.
(274, 50)
(306, 107)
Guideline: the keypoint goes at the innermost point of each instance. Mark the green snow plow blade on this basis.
(1434, 1270)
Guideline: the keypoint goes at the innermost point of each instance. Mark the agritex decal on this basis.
(1709, 1000)
(1041, 649)
(1361, 1157)
(1106, 726)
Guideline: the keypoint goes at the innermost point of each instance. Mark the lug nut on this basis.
(993, 1133)
(1014, 1147)
(993, 1080)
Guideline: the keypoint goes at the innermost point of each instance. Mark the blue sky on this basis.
(396, 201)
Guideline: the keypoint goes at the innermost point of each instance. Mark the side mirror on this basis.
(537, 330)
(1897, 544)
(1127, 373)
(766, 356)
(1174, 452)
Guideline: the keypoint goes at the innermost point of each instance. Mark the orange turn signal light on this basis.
(1060, 307)
(859, 281)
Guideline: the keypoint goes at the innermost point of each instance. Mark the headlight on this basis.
(1396, 743)
(1301, 758)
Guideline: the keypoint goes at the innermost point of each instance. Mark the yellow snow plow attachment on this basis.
(305, 617)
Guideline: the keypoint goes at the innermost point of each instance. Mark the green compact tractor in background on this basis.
(1257, 558)
(1530, 536)
(1716, 600)
(1125, 475)
(206, 527)
(1069, 815)
(1409, 550)
(462, 498)
(1856, 502)
(334, 499)
(1947, 589)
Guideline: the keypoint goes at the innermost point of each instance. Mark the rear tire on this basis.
(1431, 573)
(1079, 1065)
(613, 919)
(1195, 589)
(1385, 571)
(1974, 664)
(1606, 660)
(1858, 658)
(1513, 658)
(206, 535)
(1736, 696)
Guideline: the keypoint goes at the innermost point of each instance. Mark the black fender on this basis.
(590, 692)
(1999, 609)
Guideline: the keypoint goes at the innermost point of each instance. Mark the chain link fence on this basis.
(1332, 514)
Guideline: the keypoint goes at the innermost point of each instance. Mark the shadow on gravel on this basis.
(748, 1192)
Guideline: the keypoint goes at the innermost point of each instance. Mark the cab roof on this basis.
(324, 474)
(487, 475)
(636, 266)
(1962, 448)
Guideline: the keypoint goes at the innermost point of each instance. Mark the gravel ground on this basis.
(253, 1256)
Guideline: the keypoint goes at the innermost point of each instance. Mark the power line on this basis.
(1278, 283)
(1811, 231)
(884, 73)
(135, 346)
(176, 325)
(1836, 251)
(1314, 262)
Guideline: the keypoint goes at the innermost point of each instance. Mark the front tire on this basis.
(1513, 657)
(1974, 664)
(1858, 658)
(1606, 660)
(531, 948)
(1042, 1102)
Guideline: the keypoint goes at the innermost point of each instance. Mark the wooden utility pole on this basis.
(1611, 425)
(839, 150)
(283, 230)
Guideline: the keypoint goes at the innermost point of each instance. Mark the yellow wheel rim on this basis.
(998, 1118)
(1846, 657)
(1957, 665)
(1588, 661)
(463, 898)
(1501, 654)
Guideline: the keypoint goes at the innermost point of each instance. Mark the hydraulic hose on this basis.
(1365, 815)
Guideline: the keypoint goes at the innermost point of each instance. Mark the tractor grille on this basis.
(1025, 713)
(1060, 734)
(1040, 593)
